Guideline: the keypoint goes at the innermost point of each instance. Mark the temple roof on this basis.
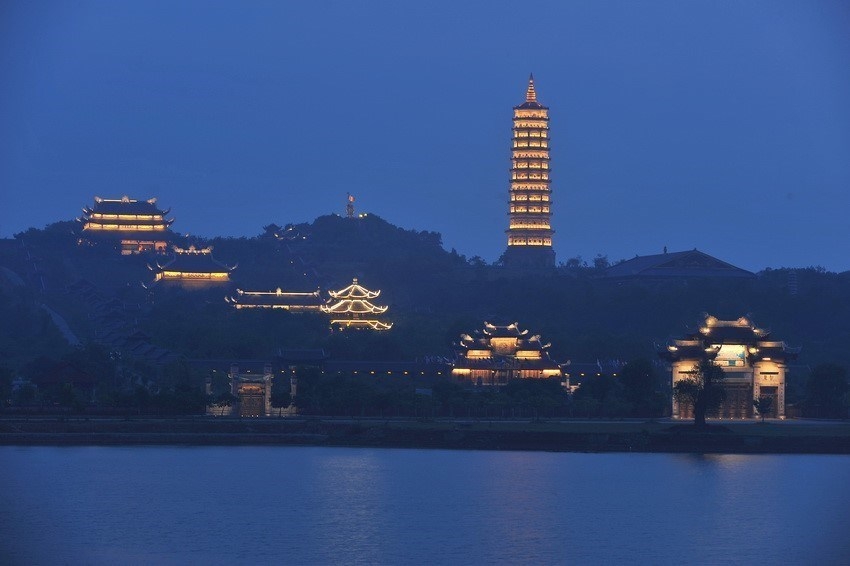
(692, 263)
(713, 333)
(277, 297)
(503, 330)
(124, 205)
(195, 260)
(740, 331)
(507, 363)
(371, 323)
(355, 306)
(482, 340)
(354, 291)
(141, 235)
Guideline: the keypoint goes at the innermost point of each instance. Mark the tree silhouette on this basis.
(763, 405)
(703, 390)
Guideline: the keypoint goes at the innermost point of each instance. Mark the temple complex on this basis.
(134, 226)
(530, 228)
(192, 268)
(754, 365)
(499, 353)
(278, 299)
(351, 307)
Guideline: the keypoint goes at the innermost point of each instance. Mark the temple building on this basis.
(753, 364)
(530, 213)
(278, 299)
(499, 353)
(351, 307)
(690, 264)
(192, 268)
(133, 226)
(251, 392)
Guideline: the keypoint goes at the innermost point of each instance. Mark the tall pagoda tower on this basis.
(530, 227)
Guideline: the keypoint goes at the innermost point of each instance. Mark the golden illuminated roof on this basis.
(353, 302)
(713, 333)
(278, 298)
(362, 323)
(194, 260)
(354, 291)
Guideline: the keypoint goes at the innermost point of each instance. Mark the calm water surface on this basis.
(296, 505)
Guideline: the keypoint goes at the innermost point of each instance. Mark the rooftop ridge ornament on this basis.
(530, 93)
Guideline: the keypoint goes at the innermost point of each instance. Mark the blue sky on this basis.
(721, 125)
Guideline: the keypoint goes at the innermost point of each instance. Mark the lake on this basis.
(318, 505)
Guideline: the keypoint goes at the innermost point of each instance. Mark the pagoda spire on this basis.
(530, 93)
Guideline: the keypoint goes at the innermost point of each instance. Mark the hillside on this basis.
(433, 296)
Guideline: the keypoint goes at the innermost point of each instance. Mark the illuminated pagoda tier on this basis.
(500, 353)
(530, 213)
(192, 268)
(278, 299)
(134, 226)
(352, 307)
(753, 365)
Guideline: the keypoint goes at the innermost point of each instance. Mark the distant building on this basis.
(499, 353)
(278, 299)
(530, 227)
(682, 265)
(134, 226)
(754, 366)
(352, 307)
(250, 388)
(192, 268)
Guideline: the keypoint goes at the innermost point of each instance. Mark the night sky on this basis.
(721, 125)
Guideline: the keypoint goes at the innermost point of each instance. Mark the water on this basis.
(297, 505)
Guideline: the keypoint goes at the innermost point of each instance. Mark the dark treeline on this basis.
(433, 296)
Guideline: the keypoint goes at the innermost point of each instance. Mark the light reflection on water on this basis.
(214, 505)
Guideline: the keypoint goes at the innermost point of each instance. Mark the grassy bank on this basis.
(573, 436)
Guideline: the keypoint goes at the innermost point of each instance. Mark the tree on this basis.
(640, 388)
(225, 399)
(826, 390)
(703, 390)
(763, 405)
(280, 398)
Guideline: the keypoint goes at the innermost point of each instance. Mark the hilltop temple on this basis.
(499, 353)
(192, 268)
(133, 226)
(352, 307)
(278, 299)
(530, 227)
(754, 366)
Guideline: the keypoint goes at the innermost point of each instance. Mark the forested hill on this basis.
(433, 295)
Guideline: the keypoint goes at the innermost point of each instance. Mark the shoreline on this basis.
(562, 436)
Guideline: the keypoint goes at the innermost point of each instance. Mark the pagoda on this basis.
(352, 307)
(277, 299)
(502, 352)
(192, 268)
(530, 227)
(134, 226)
(753, 364)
